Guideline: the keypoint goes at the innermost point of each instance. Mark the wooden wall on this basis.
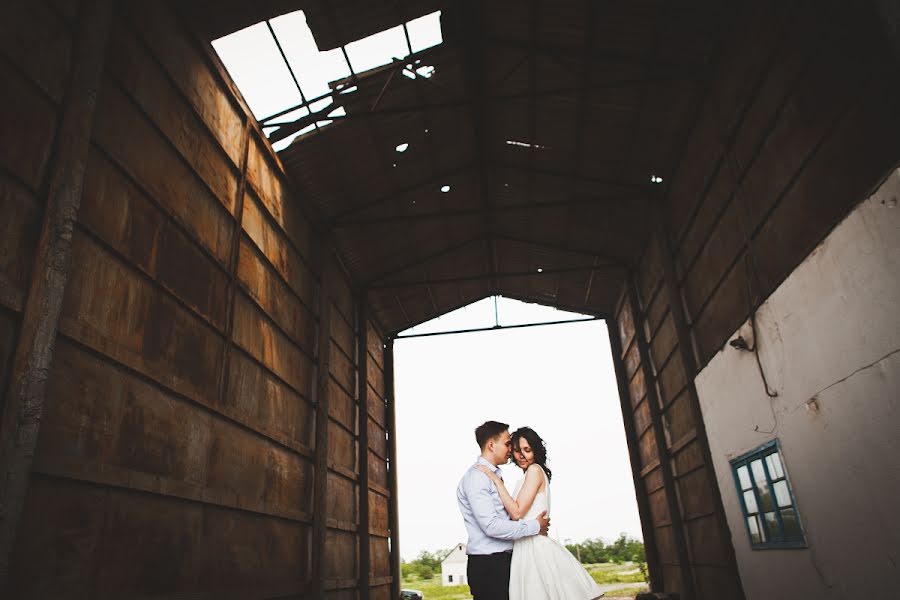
(177, 451)
(798, 124)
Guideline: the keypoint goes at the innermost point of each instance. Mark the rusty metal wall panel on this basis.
(342, 407)
(110, 307)
(38, 42)
(65, 543)
(117, 211)
(375, 345)
(141, 77)
(269, 184)
(342, 333)
(377, 407)
(173, 460)
(343, 371)
(19, 232)
(380, 554)
(377, 439)
(262, 283)
(28, 116)
(180, 190)
(343, 507)
(281, 255)
(255, 333)
(256, 396)
(183, 62)
(341, 448)
(378, 475)
(378, 514)
(340, 555)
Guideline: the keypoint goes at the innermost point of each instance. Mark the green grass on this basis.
(602, 573)
(613, 573)
(624, 593)
(433, 590)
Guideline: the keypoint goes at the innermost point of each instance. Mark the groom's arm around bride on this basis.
(491, 531)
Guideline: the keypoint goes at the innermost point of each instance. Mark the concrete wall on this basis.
(829, 340)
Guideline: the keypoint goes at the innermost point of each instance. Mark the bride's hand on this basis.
(488, 472)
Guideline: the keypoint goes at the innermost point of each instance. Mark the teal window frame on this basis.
(764, 469)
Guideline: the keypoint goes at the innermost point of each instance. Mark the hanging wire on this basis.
(751, 271)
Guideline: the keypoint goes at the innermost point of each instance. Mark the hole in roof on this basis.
(253, 60)
(402, 147)
(520, 144)
(540, 270)
(445, 188)
(656, 179)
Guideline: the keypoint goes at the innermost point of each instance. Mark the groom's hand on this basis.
(544, 522)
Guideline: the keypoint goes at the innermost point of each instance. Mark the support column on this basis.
(689, 362)
(393, 508)
(362, 423)
(640, 489)
(25, 397)
(678, 533)
(323, 384)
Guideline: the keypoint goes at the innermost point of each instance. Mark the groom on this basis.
(491, 532)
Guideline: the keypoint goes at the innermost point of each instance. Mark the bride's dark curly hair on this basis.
(537, 446)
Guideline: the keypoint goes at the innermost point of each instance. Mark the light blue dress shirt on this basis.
(487, 522)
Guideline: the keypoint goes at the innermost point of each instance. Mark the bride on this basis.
(541, 567)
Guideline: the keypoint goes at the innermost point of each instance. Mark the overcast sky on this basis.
(557, 379)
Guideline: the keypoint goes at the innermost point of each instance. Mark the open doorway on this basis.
(557, 378)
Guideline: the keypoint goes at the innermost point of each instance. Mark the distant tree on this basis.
(621, 550)
(424, 566)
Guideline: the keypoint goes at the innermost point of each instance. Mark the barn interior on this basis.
(196, 331)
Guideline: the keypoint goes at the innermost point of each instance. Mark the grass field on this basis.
(603, 574)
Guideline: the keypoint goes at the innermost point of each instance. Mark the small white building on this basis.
(453, 567)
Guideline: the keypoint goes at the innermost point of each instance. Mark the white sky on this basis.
(253, 61)
(557, 379)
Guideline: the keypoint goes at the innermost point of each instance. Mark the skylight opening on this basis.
(378, 49)
(425, 32)
(519, 144)
(656, 179)
(402, 147)
(254, 61)
(445, 188)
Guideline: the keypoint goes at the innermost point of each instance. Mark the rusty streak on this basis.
(24, 403)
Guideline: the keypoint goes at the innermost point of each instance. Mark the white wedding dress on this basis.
(542, 569)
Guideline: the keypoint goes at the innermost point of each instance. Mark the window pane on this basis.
(744, 477)
(776, 469)
(772, 525)
(755, 533)
(782, 495)
(750, 502)
(792, 529)
(759, 476)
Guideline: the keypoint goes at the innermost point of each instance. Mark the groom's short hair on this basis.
(488, 431)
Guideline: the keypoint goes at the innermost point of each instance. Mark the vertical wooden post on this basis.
(689, 362)
(362, 422)
(234, 254)
(393, 507)
(640, 489)
(323, 383)
(678, 533)
(24, 403)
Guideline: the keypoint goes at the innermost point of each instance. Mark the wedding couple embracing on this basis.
(509, 552)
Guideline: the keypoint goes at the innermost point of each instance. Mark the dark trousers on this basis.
(488, 575)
